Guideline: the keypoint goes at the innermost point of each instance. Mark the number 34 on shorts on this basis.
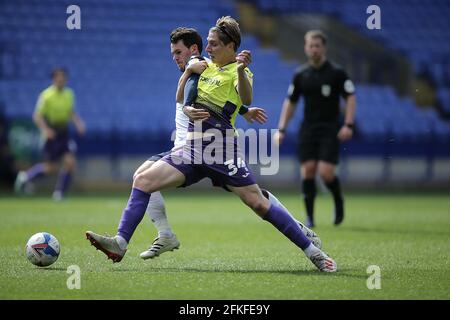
(234, 167)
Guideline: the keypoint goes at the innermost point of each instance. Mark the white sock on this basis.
(157, 213)
(123, 244)
(274, 200)
(311, 250)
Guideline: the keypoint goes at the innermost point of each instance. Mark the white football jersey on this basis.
(181, 126)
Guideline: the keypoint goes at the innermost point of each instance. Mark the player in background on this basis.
(225, 85)
(186, 48)
(55, 110)
(321, 83)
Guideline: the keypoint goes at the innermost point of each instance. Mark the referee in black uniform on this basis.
(321, 83)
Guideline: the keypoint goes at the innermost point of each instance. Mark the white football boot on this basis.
(311, 235)
(108, 245)
(161, 245)
(323, 262)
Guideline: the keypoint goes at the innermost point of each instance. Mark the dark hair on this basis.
(189, 36)
(228, 30)
(58, 70)
(317, 34)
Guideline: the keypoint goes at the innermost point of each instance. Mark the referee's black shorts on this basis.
(319, 142)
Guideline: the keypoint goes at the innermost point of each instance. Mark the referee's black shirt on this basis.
(321, 89)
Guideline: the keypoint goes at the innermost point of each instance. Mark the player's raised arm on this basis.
(193, 68)
(244, 85)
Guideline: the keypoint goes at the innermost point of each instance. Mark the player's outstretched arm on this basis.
(256, 114)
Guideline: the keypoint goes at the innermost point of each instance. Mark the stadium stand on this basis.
(414, 27)
(120, 66)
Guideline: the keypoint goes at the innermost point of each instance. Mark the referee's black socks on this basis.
(335, 188)
(309, 194)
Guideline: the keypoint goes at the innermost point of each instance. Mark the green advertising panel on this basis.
(24, 140)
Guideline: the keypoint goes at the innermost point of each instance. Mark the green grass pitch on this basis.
(227, 252)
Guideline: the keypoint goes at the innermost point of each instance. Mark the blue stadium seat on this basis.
(122, 73)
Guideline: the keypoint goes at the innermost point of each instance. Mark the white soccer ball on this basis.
(42, 249)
